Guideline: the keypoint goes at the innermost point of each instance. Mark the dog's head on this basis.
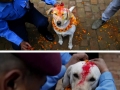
(60, 14)
(82, 76)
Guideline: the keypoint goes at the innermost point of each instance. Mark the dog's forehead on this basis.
(78, 67)
(60, 9)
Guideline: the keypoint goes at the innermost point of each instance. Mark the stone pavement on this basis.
(87, 11)
(113, 62)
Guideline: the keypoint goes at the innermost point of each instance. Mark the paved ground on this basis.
(105, 38)
(113, 62)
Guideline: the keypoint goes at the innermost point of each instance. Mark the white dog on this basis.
(75, 76)
(64, 23)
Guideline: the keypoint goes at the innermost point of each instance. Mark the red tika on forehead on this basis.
(60, 8)
(86, 71)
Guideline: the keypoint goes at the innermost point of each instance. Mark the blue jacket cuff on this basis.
(18, 42)
(106, 76)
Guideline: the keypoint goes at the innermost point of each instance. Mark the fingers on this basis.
(27, 44)
(81, 56)
(24, 47)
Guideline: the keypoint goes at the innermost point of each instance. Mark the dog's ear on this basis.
(66, 78)
(70, 12)
(71, 8)
(49, 11)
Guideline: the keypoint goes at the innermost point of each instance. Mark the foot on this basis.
(47, 35)
(70, 46)
(60, 42)
(97, 24)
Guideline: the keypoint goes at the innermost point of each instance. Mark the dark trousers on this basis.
(33, 16)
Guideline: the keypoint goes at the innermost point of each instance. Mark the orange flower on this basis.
(55, 43)
(73, 21)
(68, 88)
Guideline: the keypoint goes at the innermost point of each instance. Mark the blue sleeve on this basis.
(8, 34)
(52, 80)
(106, 82)
(65, 58)
(50, 2)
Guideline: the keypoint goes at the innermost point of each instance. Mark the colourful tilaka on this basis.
(85, 71)
(59, 8)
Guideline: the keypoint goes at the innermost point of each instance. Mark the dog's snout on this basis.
(58, 22)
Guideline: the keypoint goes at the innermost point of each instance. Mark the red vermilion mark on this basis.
(60, 8)
(86, 70)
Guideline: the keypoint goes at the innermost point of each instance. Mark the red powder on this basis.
(86, 70)
(60, 8)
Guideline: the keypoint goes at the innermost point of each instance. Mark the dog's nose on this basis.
(58, 23)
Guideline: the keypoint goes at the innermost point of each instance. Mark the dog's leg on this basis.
(60, 39)
(70, 42)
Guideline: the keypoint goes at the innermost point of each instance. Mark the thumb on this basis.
(82, 56)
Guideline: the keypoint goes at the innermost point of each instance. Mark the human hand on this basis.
(101, 64)
(76, 58)
(56, 4)
(25, 45)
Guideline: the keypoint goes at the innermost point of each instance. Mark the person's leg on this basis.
(112, 8)
(18, 26)
(40, 21)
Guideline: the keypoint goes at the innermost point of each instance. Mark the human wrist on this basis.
(67, 65)
(105, 70)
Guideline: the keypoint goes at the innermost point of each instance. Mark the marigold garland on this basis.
(73, 21)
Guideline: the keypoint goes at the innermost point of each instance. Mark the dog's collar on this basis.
(73, 21)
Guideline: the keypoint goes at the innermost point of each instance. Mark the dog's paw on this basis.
(70, 46)
(60, 42)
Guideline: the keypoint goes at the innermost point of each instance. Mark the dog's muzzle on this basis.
(58, 23)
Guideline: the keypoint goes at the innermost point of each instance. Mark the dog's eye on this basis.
(92, 79)
(75, 75)
(55, 13)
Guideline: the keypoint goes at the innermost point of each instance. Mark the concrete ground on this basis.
(113, 62)
(105, 38)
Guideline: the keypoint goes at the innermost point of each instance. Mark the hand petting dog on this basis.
(86, 71)
(76, 58)
(101, 64)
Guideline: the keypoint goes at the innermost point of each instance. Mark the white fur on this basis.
(69, 78)
(69, 32)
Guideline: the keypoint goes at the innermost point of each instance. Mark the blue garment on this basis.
(34, 17)
(13, 11)
(112, 8)
(106, 82)
(52, 80)
(50, 2)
